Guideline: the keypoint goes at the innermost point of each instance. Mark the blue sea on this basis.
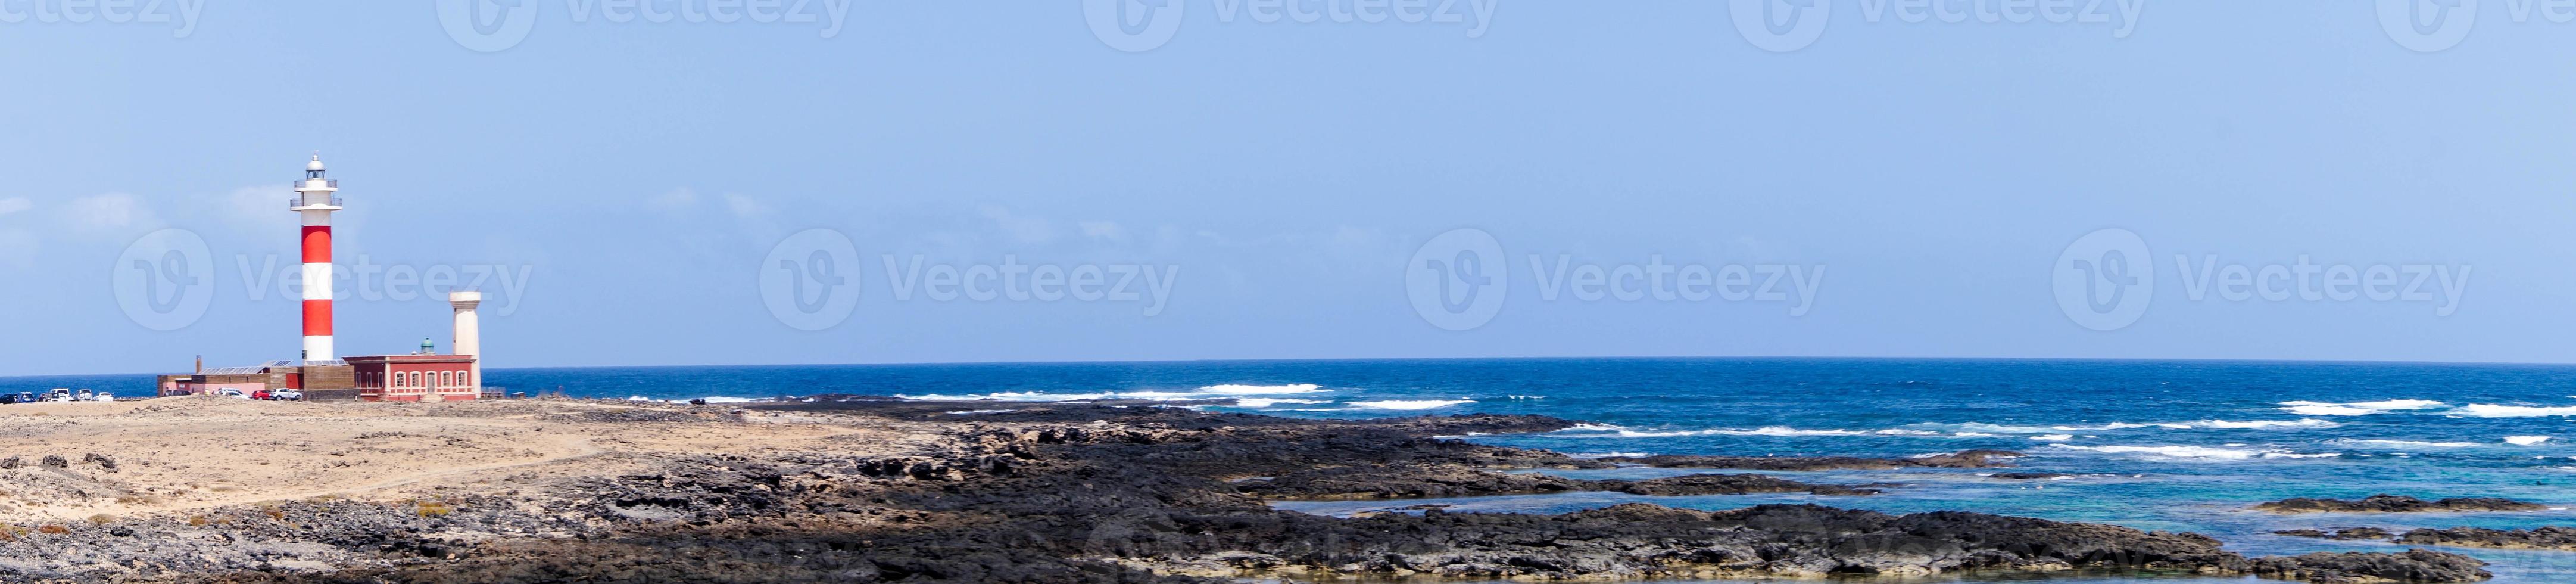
(2159, 445)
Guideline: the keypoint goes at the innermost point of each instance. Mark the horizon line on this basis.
(1487, 358)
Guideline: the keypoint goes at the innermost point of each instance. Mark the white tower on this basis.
(469, 334)
(314, 201)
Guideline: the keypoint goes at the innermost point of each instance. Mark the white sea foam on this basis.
(1208, 392)
(979, 412)
(2502, 411)
(1982, 427)
(1238, 389)
(2525, 440)
(1787, 431)
(1263, 402)
(1608, 454)
(1016, 396)
(2193, 452)
(1636, 434)
(2404, 443)
(1411, 404)
(713, 399)
(2055, 437)
(2310, 408)
(2300, 424)
(1999, 428)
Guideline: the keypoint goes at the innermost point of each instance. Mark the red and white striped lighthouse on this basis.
(313, 199)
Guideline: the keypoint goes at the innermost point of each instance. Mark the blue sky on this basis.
(1932, 174)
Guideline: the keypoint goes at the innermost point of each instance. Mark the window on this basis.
(446, 379)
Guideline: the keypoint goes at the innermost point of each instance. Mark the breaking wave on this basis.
(2310, 408)
(2194, 452)
(1208, 392)
(1263, 402)
(1410, 405)
(2500, 411)
(2403, 443)
(1238, 389)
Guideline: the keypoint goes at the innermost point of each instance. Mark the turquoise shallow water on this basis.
(2158, 444)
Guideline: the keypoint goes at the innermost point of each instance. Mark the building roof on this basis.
(412, 358)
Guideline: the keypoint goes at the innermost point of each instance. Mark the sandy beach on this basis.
(176, 455)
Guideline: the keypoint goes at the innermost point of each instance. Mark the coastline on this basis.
(935, 491)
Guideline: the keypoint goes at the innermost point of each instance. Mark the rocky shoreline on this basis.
(926, 492)
(2397, 504)
(2541, 538)
(1964, 459)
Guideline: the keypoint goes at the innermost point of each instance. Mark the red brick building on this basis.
(416, 377)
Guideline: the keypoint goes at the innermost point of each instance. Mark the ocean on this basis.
(2158, 445)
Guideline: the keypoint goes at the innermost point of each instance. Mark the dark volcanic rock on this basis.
(2545, 538)
(2345, 534)
(1964, 459)
(2396, 504)
(1727, 484)
(1393, 482)
(2360, 568)
(1090, 493)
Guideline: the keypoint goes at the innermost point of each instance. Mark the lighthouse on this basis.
(314, 200)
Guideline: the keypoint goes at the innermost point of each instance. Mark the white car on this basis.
(231, 393)
(59, 394)
(286, 395)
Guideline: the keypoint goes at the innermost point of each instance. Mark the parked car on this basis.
(9, 398)
(102, 397)
(286, 395)
(262, 395)
(26, 397)
(59, 394)
(229, 392)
